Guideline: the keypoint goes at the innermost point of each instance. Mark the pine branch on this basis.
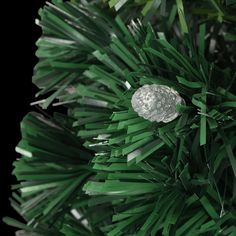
(137, 177)
(115, 131)
(71, 32)
(71, 35)
(52, 171)
(222, 11)
(108, 99)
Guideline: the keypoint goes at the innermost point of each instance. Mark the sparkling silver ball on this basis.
(156, 103)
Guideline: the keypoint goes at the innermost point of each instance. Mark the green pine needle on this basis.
(103, 170)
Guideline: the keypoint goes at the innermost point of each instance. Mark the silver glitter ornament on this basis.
(156, 103)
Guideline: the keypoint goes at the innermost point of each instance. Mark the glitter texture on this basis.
(156, 103)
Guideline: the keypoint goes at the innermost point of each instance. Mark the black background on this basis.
(18, 59)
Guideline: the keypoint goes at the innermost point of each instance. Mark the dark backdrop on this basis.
(17, 91)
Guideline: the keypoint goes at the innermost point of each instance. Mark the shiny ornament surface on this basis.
(156, 103)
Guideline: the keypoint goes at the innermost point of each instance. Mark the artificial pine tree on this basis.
(148, 144)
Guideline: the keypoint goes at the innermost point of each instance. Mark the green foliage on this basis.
(105, 117)
(71, 32)
(52, 171)
(220, 10)
(103, 170)
(156, 200)
(71, 35)
(192, 170)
